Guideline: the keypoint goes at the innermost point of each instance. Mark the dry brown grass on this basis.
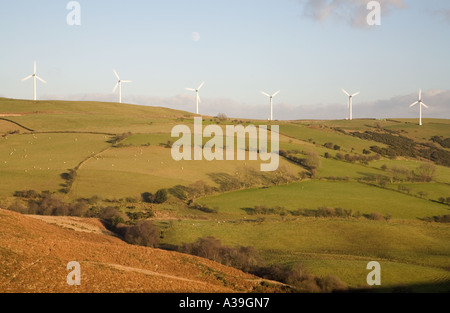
(34, 255)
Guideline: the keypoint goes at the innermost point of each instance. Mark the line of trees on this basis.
(249, 260)
(324, 211)
(311, 160)
(245, 177)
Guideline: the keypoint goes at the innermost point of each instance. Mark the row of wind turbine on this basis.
(420, 102)
(198, 100)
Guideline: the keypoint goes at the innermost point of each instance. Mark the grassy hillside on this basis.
(346, 192)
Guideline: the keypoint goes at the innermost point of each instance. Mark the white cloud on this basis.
(445, 14)
(352, 12)
(195, 36)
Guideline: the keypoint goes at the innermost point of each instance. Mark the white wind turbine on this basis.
(119, 84)
(197, 92)
(350, 103)
(34, 76)
(271, 102)
(420, 102)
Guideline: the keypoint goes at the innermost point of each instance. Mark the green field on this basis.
(121, 151)
(313, 194)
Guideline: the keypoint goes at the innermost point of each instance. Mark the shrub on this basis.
(376, 216)
(312, 160)
(243, 258)
(298, 277)
(198, 189)
(443, 218)
(18, 207)
(145, 233)
(161, 196)
(181, 192)
(116, 139)
(222, 117)
(328, 145)
(69, 177)
(147, 197)
(426, 172)
(203, 208)
(112, 217)
(79, 208)
(48, 204)
(28, 194)
(331, 283)
(422, 194)
(140, 215)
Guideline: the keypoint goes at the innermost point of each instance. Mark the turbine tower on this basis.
(271, 102)
(34, 76)
(119, 84)
(420, 102)
(197, 92)
(350, 103)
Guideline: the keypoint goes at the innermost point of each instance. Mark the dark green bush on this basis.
(160, 196)
(203, 208)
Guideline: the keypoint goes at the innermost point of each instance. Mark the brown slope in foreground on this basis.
(34, 256)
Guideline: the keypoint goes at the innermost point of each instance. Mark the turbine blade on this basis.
(420, 94)
(276, 93)
(34, 67)
(115, 88)
(28, 77)
(190, 89)
(117, 75)
(41, 79)
(266, 94)
(201, 85)
(425, 105)
(127, 81)
(199, 99)
(346, 92)
(413, 104)
(354, 95)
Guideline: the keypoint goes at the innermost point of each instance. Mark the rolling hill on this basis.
(345, 193)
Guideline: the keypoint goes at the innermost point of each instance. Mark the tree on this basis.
(147, 197)
(222, 116)
(312, 160)
(422, 194)
(143, 234)
(161, 196)
(426, 172)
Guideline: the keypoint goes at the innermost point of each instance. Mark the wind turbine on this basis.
(271, 102)
(350, 102)
(197, 92)
(34, 76)
(420, 102)
(119, 84)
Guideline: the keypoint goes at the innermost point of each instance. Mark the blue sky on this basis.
(308, 49)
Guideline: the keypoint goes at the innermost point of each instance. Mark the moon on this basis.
(195, 36)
